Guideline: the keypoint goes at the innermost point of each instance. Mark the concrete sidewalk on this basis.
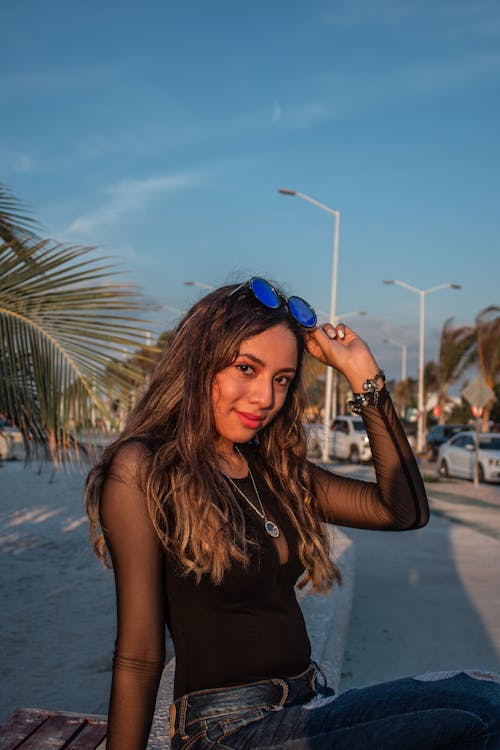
(460, 501)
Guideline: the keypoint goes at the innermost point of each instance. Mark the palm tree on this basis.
(405, 393)
(488, 352)
(61, 323)
(313, 374)
(134, 373)
(454, 357)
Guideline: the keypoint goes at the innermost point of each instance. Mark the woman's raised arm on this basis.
(138, 567)
(397, 500)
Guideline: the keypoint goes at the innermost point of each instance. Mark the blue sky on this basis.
(162, 132)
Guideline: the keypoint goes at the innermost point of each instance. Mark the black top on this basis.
(250, 626)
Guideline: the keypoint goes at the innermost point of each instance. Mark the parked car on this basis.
(439, 434)
(11, 443)
(410, 429)
(347, 439)
(456, 457)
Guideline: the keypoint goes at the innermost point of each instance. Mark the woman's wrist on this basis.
(370, 393)
(363, 371)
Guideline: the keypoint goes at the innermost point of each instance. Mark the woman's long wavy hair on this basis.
(195, 514)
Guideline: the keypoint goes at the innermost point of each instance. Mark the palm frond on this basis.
(16, 226)
(61, 323)
(454, 352)
(488, 343)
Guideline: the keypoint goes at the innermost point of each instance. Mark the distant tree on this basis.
(134, 373)
(61, 323)
(314, 383)
(495, 410)
(487, 332)
(455, 355)
(405, 394)
(460, 413)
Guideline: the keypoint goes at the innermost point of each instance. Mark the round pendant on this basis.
(271, 529)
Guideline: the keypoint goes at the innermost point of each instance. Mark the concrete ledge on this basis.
(158, 737)
(327, 620)
(327, 615)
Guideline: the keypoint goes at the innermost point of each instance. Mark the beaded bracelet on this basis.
(370, 395)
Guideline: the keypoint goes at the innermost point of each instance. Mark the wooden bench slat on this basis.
(90, 737)
(40, 729)
(19, 726)
(53, 733)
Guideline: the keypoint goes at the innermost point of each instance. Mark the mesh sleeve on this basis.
(397, 500)
(138, 568)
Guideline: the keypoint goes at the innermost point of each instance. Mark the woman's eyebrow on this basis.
(263, 364)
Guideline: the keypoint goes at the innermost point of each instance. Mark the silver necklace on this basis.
(269, 525)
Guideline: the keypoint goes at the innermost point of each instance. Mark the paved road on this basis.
(460, 501)
(457, 500)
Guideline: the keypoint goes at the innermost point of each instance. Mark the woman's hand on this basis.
(340, 347)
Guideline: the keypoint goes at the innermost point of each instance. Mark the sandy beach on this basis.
(57, 616)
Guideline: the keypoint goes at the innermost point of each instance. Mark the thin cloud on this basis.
(441, 75)
(60, 80)
(472, 17)
(362, 12)
(353, 95)
(129, 196)
(276, 113)
(296, 116)
(17, 162)
(469, 16)
(308, 115)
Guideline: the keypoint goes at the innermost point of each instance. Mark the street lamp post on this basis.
(335, 375)
(421, 406)
(328, 413)
(404, 351)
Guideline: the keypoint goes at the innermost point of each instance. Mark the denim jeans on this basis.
(452, 710)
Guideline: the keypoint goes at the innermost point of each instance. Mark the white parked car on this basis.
(347, 439)
(456, 457)
(11, 444)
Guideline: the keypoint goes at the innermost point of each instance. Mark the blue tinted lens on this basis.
(302, 312)
(264, 292)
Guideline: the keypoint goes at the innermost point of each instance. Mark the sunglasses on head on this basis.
(300, 310)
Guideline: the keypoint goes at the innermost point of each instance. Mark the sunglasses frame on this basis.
(280, 300)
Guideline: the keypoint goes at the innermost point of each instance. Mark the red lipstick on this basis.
(251, 421)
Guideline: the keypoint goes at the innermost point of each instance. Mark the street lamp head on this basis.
(285, 191)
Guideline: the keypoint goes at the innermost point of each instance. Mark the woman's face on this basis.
(251, 391)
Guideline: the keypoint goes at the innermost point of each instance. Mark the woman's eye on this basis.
(283, 380)
(244, 368)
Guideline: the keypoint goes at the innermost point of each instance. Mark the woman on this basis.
(210, 512)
